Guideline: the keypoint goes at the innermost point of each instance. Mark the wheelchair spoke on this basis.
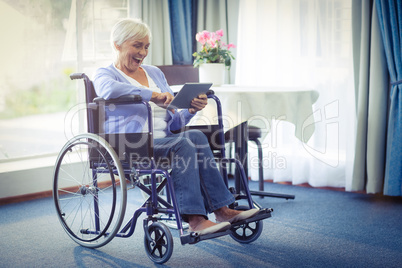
(72, 179)
(69, 192)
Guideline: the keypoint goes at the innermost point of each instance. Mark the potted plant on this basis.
(213, 57)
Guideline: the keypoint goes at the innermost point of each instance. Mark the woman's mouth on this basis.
(137, 60)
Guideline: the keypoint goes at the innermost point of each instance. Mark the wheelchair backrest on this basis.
(93, 112)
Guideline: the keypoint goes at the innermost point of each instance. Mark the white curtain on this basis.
(155, 13)
(295, 44)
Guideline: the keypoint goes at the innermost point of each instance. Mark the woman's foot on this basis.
(203, 226)
(226, 214)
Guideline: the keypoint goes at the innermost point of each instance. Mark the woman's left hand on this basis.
(198, 103)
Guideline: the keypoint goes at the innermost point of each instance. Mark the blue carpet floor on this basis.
(320, 228)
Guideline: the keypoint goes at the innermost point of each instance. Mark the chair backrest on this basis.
(180, 74)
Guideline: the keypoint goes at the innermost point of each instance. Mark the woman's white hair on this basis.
(128, 29)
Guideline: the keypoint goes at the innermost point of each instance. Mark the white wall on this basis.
(26, 176)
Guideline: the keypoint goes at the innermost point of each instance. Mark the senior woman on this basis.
(199, 187)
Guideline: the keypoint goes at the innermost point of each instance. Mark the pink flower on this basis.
(200, 38)
(230, 45)
(206, 34)
(212, 43)
(219, 33)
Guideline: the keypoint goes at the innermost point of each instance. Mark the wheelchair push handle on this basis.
(75, 76)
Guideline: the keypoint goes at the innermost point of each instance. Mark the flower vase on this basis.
(212, 73)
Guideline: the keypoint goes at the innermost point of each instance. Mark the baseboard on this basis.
(24, 198)
(33, 196)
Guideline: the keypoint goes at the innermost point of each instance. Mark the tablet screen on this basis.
(187, 93)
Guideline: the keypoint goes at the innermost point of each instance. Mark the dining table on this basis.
(261, 107)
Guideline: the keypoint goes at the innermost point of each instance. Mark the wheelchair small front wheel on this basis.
(89, 190)
(248, 232)
(158, 243)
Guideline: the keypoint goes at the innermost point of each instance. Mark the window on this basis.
(39, 51)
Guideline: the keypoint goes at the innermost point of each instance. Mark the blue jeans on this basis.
(197, 182)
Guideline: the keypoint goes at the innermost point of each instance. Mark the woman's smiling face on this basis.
(132, 53)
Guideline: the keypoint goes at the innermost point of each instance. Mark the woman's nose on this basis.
(143, 52)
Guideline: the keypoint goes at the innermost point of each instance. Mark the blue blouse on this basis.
(131, 118)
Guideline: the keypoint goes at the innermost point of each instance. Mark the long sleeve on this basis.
(110, 84)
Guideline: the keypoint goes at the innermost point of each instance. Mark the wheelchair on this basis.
(94, 171)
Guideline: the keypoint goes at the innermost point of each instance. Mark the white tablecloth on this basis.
(260, 106)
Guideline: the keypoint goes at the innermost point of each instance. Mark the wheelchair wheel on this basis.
(248, 232)
(158, 243)
(89, 190)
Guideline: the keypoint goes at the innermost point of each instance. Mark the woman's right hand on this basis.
(162, 99)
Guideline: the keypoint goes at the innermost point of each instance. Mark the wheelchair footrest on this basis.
(193, 237)
(264, 213)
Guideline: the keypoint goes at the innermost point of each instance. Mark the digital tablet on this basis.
(187, 93)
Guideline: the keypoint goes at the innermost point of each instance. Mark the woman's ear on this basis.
(117, 47)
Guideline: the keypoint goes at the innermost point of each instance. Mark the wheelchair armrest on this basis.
(75, 76)
(120, 100)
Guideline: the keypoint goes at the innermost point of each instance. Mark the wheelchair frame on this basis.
(91, 176)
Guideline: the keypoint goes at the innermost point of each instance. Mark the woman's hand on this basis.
(198, 103)
(162, 99)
